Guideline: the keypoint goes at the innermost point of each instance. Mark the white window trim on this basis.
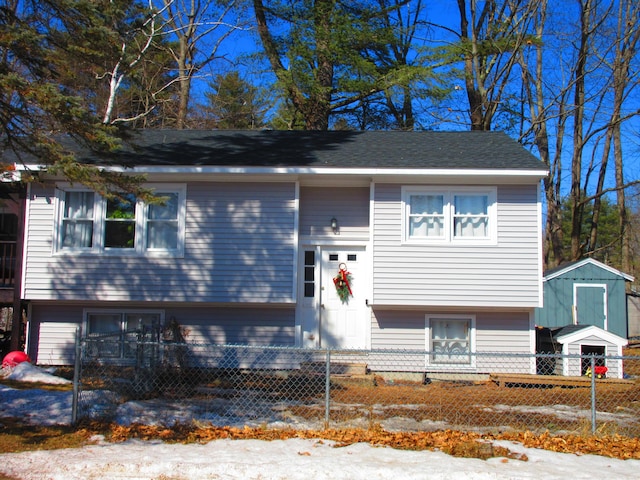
(449, 193)
(472, 341)
(141, 227)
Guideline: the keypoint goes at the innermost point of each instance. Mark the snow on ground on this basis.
(254, 459)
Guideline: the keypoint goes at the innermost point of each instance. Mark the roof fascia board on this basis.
(193, 169)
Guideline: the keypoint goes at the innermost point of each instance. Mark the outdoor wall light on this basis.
(334, 225)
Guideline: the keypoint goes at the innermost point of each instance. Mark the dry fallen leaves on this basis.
(452, 442)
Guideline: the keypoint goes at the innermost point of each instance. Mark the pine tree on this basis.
(233, 103)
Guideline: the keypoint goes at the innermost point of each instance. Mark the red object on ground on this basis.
(12, 359)
(601, 370)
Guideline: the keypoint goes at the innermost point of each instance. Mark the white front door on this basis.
(329, 321)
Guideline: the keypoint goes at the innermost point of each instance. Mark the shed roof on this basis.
(568, 267)
(322, 149)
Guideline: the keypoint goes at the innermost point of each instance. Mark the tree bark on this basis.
(576, 195)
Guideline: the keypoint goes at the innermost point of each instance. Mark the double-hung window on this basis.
(113, 334)
(76, 228)
(88, 222)
(450, 339)
(442, 215)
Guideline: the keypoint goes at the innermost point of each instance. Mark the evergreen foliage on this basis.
(44, 110)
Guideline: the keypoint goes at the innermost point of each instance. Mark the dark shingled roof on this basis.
(568, 330)
(344, 149)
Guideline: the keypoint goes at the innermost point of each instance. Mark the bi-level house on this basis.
(354, 240)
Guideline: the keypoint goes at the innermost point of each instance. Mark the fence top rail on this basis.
(348, 352)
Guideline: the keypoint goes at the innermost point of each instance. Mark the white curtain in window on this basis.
(449, 329)
(162, 223)
(426, 216)
(77, 224)
(471, 216)
(450, 340)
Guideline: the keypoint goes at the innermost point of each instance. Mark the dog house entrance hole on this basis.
(587, 351)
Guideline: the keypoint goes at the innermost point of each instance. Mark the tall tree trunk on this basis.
(474, 95)
(629, 35)
(318, 105)
(625, 230)
(184, 82)
(597, 201)
(534, 84)
(576, 195)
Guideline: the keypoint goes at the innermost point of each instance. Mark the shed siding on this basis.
(239, 247)
(496, 332)
(503, 275)
(558, 298)
(55, 326)
(350, 206)
(633, 311)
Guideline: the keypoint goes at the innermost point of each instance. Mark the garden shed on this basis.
(576, 343)
(585, 292)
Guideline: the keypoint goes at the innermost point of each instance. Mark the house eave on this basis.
(318, 174)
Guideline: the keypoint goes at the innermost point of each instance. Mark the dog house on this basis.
(577, 343)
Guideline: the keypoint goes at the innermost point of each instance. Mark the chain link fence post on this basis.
(327, 389)
(593, 394)
(76, 378)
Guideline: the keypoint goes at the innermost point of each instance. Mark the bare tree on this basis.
(628, 36)
(492, 34)
(539, 114)
(582, 100)
(199, 27)
(139, 39)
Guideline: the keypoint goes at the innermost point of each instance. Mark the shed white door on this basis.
(590, 304)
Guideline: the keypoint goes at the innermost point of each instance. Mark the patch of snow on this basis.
(26, 372)
(294, 459)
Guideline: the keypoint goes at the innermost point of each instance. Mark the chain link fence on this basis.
(136, 379)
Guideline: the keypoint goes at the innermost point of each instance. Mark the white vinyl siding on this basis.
(239, 246)
(495, 331)
(238, 326)
(349, 206)
(504, 274)
(53, 327)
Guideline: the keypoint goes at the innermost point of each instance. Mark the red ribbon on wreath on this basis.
(341, 281)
